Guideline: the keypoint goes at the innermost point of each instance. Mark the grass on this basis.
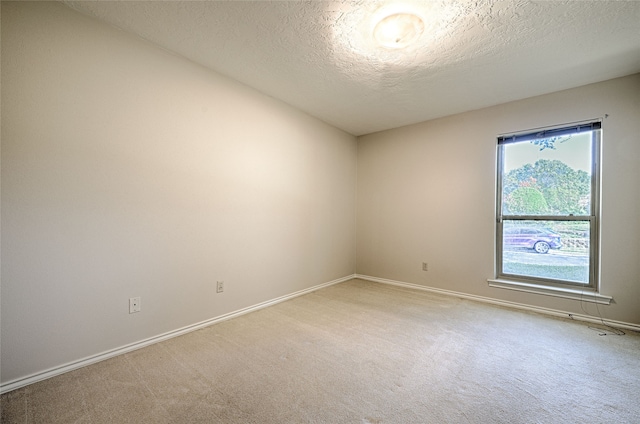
(556, 272)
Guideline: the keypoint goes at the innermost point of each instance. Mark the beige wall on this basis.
(426, 193)
(128, 171)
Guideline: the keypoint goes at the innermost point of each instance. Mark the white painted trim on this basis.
(566, 293)
(70, 366)
(546, 311)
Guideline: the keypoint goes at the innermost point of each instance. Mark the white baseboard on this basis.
(70, 366)
(52, 372)
(547, 311)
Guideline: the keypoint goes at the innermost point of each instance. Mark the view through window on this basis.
(547, 206)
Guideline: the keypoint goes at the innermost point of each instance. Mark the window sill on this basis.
(567, 293)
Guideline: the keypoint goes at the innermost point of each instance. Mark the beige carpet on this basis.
(357, 352)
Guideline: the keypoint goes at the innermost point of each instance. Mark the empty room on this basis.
(320, 211)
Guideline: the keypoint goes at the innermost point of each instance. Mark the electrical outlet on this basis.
(220, 287)
(135, 304)
(425, 266)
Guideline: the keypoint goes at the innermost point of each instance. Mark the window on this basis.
(548, 206)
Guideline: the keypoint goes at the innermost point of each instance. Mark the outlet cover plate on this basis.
(135, 304)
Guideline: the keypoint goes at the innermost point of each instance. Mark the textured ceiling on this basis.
(319, 57)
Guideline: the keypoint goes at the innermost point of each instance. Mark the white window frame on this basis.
(561, 288)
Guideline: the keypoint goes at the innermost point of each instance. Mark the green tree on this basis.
(549, 143)
(526, 200)
(565, 190)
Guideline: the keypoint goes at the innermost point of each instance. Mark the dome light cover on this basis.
(398, 30)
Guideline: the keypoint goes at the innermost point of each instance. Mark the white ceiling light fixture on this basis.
(395, 32)
(398, 30)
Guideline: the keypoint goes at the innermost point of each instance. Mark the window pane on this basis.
(557, 250)
(548, 177)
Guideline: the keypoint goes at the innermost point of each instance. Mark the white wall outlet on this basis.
(135, 304)
(219, 286)
(425, 266)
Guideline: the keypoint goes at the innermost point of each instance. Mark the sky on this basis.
(575, 152)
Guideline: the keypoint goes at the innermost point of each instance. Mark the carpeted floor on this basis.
(357, 352)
